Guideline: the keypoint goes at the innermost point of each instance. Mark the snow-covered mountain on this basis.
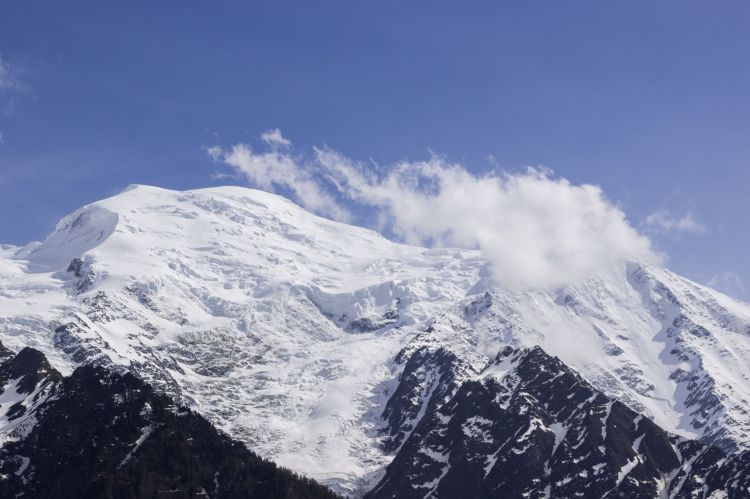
(319, 344)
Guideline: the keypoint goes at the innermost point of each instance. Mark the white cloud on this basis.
(273, 169)
(8, 79)
(9, 84)
(274, 138)
(729, 283)
(663, 222)
(536, 229)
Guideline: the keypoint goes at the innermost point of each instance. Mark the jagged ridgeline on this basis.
(98, 434)
(526, 425)
(375, 368)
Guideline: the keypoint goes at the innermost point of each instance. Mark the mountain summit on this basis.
(338, 353)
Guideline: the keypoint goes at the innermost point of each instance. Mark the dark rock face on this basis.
(368, 325)
(5, 353)
(26, 380)
(85, 275)
(429, 378)
(30, 368)
(81, 343)
(104, 434)
(712, 471)
(528, 426)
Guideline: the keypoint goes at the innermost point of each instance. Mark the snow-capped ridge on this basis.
(77, 233)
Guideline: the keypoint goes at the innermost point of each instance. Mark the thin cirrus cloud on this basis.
(9, 85)
(729, 283)
(274, 168)
(662, 221)
(7, 80)
(9, 77)
(536, 229)
(274, 138)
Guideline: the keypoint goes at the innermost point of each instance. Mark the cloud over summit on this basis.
(536, 229)
(663, 222)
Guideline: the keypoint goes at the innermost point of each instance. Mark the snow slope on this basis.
(282, 327)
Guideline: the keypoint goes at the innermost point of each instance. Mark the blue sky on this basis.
(648, 100)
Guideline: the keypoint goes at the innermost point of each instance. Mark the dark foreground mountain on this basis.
(100, 434)
(529, 426)
(526, 425)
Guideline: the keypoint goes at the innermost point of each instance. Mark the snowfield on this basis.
(283, 328)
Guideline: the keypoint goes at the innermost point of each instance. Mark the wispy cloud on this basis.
(8, 77)
(535, 228)
(271, 169)
(729, 283)
(10, 84)
(662, 221)
(274, 138)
